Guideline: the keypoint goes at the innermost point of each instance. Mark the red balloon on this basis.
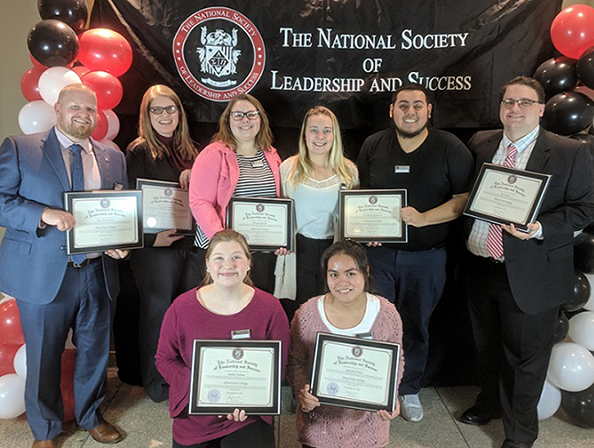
(67, 384)
(572, 30)
(101, 129)
(103, 49)
(29, 82)
(107, 87)
(7, 353)
(35, 62)
(10, 324)
(80, 70)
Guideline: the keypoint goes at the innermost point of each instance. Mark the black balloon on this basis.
(568, 113)
(74, 13)
(585, 68)
(561, 328)
(580, 294)
(579, 406)
(588, 140)
(583, 252)
(557, 75)
(53, 43)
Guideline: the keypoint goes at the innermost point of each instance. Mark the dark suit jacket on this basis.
(32, 177)
(541, 272)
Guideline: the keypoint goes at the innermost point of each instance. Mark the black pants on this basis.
(513, 347)
(311, 281)
(255, 435)
(262, 271)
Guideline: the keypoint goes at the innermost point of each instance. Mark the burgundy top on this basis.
(175, 158)
(187, 319)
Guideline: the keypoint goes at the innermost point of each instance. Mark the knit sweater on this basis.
(331, 426)
(187, 319)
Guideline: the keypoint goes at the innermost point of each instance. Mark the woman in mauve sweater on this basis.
(227, 303)
(347, 309)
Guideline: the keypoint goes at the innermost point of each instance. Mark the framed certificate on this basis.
(355, 373)
(235, 374)
(105, 219)
(372, 215)
(165, 206)
(266, 223)
(504, 195)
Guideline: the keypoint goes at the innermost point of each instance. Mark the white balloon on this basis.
(581, 329)
(571, 367)
(590, 303)
(550, 400)
(113, 124)
(20, 362)
(12, 396)
(36, 116)
(53, 80)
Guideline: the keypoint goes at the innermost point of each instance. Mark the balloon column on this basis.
(63, 53)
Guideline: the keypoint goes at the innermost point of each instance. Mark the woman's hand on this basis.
(166, 238)
(387, 416)
(184, 179)
(238, 415)
(307, 402)
(282, 251)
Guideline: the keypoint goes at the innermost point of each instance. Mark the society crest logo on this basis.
(219, 53)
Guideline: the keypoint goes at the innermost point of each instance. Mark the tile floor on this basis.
(147, 425)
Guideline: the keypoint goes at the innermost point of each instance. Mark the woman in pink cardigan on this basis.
(347, 309)
(239, 161)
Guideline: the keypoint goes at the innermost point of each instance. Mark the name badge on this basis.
(401, 169)
(257, 164)
(241, 334)
(367, 335)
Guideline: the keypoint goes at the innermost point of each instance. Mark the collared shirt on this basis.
(477, 240)
(90, 167)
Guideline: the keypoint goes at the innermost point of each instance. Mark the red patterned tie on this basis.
(495, 237)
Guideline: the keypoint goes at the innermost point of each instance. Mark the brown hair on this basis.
(226, 236)
(301, 166)
(528, 82)
(146, 134)
(224, 134)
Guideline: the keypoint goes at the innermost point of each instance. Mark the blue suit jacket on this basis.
(32, 177)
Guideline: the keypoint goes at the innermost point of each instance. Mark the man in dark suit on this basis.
(54, 292)
(516, 281)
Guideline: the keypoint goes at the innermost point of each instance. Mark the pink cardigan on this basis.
(214, 177)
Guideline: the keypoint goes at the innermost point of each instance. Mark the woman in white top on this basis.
(312, 179)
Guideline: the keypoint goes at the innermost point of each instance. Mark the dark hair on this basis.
(528, 82)
(413, 86)
(353, 250)
(227, 236)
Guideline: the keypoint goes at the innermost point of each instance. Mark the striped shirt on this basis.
(477, 240)
(255, 180)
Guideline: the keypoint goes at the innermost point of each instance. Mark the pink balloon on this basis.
(103, 49)
(108, 88)
(572, 31)
(113, 124)
(586, 91)
(29, 83)
(101, 128)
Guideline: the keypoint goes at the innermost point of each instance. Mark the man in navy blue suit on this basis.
(53, 292)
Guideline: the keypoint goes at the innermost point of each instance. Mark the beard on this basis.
(76, 130)
(406, 135)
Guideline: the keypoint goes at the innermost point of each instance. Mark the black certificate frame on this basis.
(140, 182)
(512, 175)
(235, 344)
(391, 377)
(372, 193)
(260, 204)
(70, 198)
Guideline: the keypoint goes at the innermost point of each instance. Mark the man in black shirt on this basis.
(435, 168)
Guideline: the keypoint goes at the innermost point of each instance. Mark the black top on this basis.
(438, 169)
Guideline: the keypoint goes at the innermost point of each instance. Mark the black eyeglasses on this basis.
(523, 103)
(237, 115)
(158, 110)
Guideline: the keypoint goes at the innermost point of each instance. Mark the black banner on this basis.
(348, 55)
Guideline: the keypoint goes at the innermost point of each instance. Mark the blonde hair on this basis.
(227, 236)
(224, 134)
(302, 164)
(146, 134)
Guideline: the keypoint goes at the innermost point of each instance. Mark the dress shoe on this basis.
(513, 444)
(44, 444)
(105, 433)
(474, 416)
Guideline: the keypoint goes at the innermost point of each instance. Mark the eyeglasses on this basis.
(158, 110)
(523, 103)
(237, 115)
